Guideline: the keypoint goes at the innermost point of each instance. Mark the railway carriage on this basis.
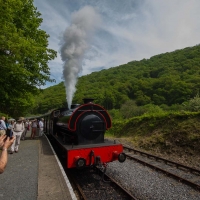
(79, 132)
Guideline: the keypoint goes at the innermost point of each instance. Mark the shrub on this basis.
(151, 108)
(193, 104)
(115, 114)
(130, 109)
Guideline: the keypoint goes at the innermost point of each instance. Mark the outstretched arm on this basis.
(7, 142)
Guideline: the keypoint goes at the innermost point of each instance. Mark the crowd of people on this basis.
(12, 131)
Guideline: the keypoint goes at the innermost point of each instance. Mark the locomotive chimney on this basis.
(74, 106)
(88, 100)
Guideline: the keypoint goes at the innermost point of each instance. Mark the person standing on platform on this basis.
(34, 128)
(9, 128)
(2, 126)
(5, 143)
(6, 123)
(41, 127)
(26, 125)
(18, 129)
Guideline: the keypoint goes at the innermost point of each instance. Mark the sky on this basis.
(126, 30)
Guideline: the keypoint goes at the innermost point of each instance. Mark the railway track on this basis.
(183, 173)
(90, 186)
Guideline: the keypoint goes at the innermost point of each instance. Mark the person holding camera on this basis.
(5, 143)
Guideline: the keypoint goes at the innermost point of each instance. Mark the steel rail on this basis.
(81, 192)
(131, 196)
(188, 182)
(109, 180)
(118, 185)
(193, 170)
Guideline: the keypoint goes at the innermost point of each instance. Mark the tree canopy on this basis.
(24, 55)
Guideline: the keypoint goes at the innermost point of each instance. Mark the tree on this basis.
(24, 54)
(141, 98)
(193, 104)
(108, 100)
(130, 109)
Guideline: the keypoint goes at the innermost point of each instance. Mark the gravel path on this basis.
(20, 178)
(147, 184)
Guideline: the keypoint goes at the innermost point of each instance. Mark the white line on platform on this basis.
(64, 174)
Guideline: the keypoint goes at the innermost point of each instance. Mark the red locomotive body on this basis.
(79, 132)
(93, 154)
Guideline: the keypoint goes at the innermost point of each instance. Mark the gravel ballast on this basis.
(148, 184)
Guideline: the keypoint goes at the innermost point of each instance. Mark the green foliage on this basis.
(24, 55)
(165, 123)
(130, 109)
(166, 131)
(51, 98)
(174, 107)
(3, 114)
(151, 108)
(115, 114)
(193, 104)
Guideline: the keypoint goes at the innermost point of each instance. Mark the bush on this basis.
(130, 109)
(151, 108)
(193, 104)
(115, 114)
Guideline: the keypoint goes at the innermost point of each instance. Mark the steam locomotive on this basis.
(79, 132)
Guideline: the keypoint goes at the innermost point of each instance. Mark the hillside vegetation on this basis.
(165, 79)
(161, 131)
(172, 135)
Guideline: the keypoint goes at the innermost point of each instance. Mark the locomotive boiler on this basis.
(80, 131)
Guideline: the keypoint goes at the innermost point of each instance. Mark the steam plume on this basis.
(76, 40)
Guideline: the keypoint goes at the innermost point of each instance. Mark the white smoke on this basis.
(76, 41)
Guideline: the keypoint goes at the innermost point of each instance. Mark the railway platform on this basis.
(34, 173)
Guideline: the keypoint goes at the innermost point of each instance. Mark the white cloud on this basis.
(131, 29)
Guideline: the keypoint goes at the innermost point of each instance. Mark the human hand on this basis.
(8, 142)
(2, 138)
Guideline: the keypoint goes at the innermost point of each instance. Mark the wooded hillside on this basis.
(165, 79)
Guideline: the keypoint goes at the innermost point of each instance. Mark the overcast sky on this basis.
(129, 30)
